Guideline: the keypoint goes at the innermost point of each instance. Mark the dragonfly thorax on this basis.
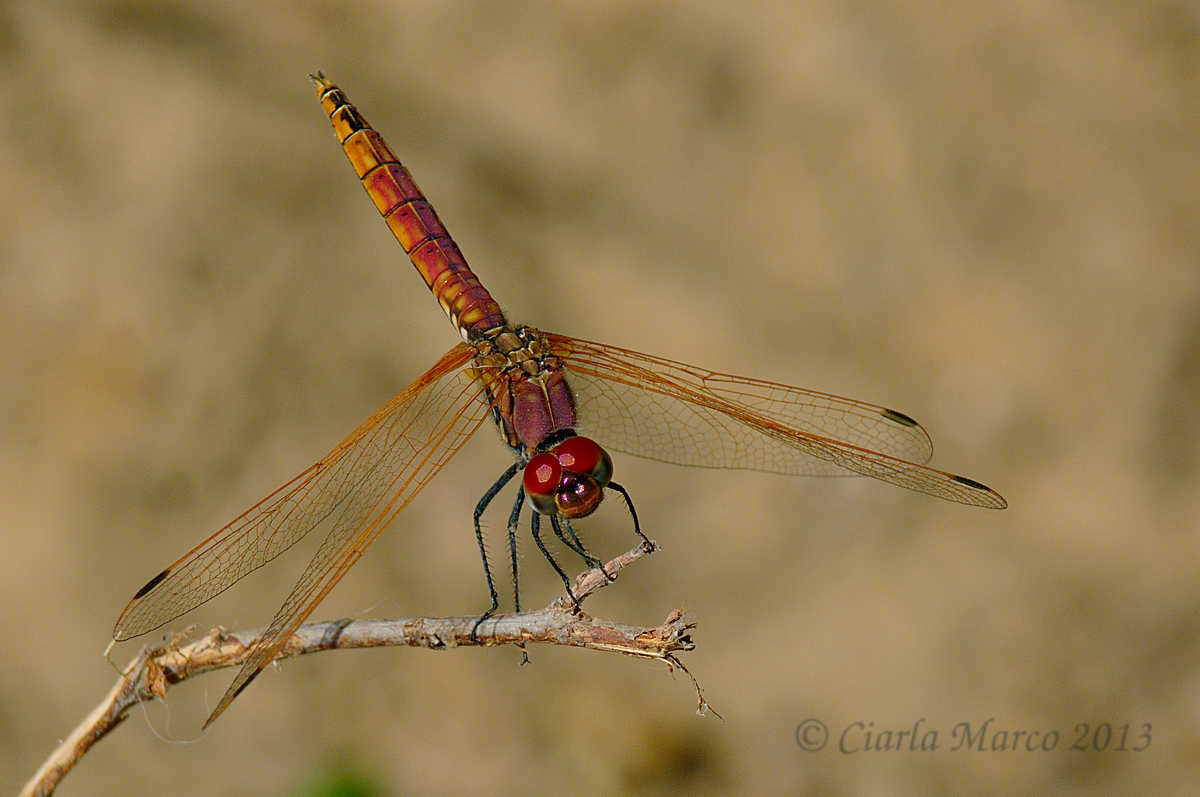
(527, 385)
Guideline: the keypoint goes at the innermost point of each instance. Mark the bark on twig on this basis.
(156, 669)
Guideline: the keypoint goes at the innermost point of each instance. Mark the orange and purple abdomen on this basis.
(414, 223)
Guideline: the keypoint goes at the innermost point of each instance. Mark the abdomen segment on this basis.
(411, 218)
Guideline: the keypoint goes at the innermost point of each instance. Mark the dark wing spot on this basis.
(152, 583)
(971, 483)
(899, 417)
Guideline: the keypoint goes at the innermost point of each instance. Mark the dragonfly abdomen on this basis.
(411, 218)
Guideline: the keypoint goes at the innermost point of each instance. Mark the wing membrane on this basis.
(656, 408)
(379, 450)
(426, 434)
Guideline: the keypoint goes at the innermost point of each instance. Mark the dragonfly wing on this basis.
(420, 439)
(380, 445)
(656, 408)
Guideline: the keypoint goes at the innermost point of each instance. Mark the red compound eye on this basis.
(542, 475)
(585, 456)
(578, 496)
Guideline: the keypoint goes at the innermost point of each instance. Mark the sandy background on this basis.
(984, 215)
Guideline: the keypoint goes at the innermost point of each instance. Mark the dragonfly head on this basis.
(568, 479)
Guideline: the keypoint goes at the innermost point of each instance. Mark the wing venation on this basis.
(281, 519)
(665, 410)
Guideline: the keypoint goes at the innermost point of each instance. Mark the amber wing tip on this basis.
(991, 500)
(122, 632)
(230, 695)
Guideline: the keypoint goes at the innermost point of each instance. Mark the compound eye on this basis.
(578, 496)
(541, 478)
(585, 456)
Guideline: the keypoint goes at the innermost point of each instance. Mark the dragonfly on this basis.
(541, 390)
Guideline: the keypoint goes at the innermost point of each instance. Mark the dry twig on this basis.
(156, 669)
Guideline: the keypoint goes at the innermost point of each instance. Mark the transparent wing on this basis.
(394, 449)
(659, 409)
(423, 437)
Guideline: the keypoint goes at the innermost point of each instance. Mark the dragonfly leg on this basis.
(571, 540)
(504, 479)
(637, 527)
(546, 553)
(514, 520)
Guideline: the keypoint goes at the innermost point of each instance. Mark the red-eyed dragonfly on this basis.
(539, 388)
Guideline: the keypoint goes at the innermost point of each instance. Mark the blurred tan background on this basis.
(983, 215)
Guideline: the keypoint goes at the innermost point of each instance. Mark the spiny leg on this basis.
(570, 540)
(504, 479)
(575, 545)
(537, 537)
(513, 520)
(637, 527)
